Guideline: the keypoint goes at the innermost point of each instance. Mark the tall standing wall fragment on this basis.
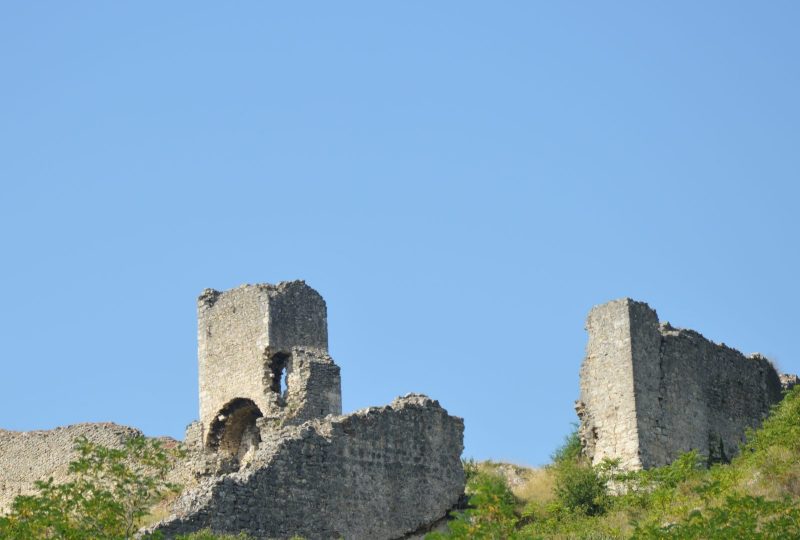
(650, 392)
(264, 347)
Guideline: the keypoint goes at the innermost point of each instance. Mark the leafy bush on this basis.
(741, 516)
(571, 449)
(782, 428)
(580, 488)
(756, 496)
(490, 514)
(109, 492)
(470, 468)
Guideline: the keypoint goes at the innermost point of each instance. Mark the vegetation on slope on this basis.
(757, 496)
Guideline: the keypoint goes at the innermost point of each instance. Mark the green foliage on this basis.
(657, 490)
(109, 492)
(782, 429)
(773, 452)
(688, 466)
(570, 450)
(729, 501)
(490, 514)
(580, 488)
(741, 517)
(757, 496)
(470, 468)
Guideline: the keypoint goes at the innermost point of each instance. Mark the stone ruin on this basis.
(272, 455)
(263, 364)
(651, 392)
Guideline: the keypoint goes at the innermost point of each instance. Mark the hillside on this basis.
(755, 496)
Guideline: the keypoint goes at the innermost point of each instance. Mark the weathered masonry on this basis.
(272, 454)
(27, 456)
(650, 392)
(262, 353)
(379, 473)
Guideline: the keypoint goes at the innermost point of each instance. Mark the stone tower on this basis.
(650, 392)
(263, 362)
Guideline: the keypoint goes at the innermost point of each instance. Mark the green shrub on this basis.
(741, 517)
(781, 428)
(580, 488)
(109, 492)
(570, 450)
(490, 514)
(470, 468)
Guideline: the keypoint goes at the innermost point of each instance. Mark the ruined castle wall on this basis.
(298, 317)
(232, 340)
(687, 392)
(245, 339)
(646, 365)
(711, 394)
(607, 406)
(314, 386)
(380, 473)
(27, 456)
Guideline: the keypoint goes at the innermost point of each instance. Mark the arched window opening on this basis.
(233, 431)
(278, 367)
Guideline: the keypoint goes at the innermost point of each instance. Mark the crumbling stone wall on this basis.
(271, 454)
(650, 392)
(266, 344)
(28, 456)
(313, 386)
(380, 473)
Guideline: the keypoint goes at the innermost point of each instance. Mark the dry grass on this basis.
(534, 487)
(160, 511)
(538, 487)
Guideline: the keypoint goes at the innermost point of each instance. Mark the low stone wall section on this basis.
(28, 456)
(379, 473)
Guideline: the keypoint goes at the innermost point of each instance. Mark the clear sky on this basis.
(462, 181)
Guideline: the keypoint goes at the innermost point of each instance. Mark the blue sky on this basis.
(461, 181)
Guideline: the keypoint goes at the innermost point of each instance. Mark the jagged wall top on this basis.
(650, 392)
